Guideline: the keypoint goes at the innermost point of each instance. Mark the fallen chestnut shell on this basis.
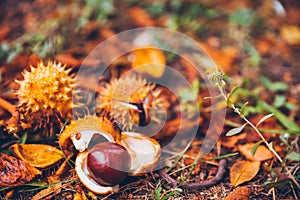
(108, 163)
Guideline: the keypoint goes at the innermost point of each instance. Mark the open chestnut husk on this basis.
(108, 163)
(106, 155)
(144, 152)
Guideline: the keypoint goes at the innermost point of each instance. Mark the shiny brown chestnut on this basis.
(108, 163)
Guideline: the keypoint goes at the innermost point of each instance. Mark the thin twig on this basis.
(202, 184)
(220, 173)
(168, 178)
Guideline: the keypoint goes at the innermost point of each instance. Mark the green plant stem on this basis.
(236, 110)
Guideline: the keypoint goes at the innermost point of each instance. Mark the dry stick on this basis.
(8, 106)
(202, 184)
(236, 110)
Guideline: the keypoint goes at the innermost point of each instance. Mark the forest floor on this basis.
(255, 44)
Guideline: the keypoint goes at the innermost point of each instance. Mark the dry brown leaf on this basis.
(4, 31)
(270, 43)
(68, 59)
(14, 171)
(106, 33)
(48, 192)
(224, 58)
(230, 142)
(37, 155)
(140, 17)
(241, 193)
(153, 59)
(261, 154)
(243, 171)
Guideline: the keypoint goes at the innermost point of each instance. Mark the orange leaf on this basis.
(37, 155)
(243, 171)
(148, 60)
(230, 142)
(140, 17)
(224, 58)
(261, 154)
(79, 196)
(68, 59)
(241, 193)
(14, 171)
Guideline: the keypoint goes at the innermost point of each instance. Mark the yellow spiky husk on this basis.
(131, 89)
(45, 93)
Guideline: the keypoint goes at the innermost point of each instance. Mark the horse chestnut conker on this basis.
(108, 163)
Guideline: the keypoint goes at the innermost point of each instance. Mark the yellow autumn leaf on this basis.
(243, 171)
(262, 153)
(37, 155)
(148, 60)
(290, 34)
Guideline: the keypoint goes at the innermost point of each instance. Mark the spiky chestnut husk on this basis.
(129, 89)
(45, 95)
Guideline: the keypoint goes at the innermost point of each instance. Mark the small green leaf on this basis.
(23, 138)
(293, 156)
(271, 146)
(229, 103)
(243, 17)
(266, 82)
(232, 91)
(279, 86)
(255, 146)
(291, 106)
(167, 196)
(235, 131)
(158, 193)
(252, 52)
(264, 118)
(242, 111)
(279, 101)
(276, 86)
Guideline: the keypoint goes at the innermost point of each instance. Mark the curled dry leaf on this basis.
(243, 171)
(37, 155)
(14, 171)
(241, 193)
(148, 60)
(261, 153)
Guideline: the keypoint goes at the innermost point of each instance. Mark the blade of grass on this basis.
(284, 120)
(179, 157)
